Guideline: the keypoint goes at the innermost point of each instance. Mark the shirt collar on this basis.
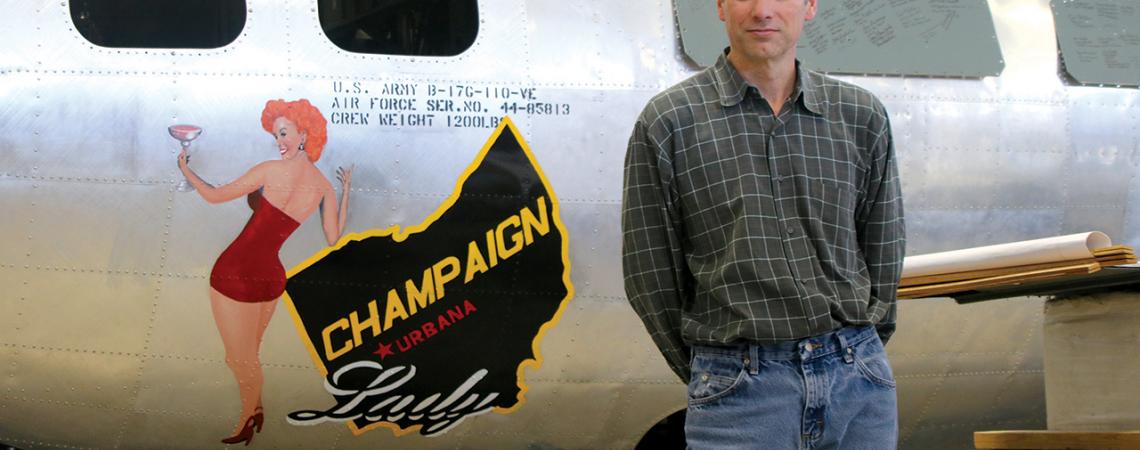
(732, 87)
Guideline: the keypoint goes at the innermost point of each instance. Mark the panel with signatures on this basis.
(941, 38)
(1099, 40)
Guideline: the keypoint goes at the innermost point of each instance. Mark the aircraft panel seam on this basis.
(978, 424)
(942, 354)
(1018, 359)
(963, 149)
(106, 408)
(922, 99)
(366, 191)
(325, 283)
(91, 180)
(1011, 207)
(973, 374)
(187, 276)
(619, 381)
(1071, 151)
(144, 355)
(906, 432)
(123, 272)
(648, 88)
(41, 443)
(1135, 163)
(155, 301)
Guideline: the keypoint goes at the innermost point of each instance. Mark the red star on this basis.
(384, 350)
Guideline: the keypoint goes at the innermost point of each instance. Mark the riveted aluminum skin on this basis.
(107, 338)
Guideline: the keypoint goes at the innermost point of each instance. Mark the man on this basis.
(763, 241)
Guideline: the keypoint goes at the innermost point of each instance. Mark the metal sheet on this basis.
(1132, 214)
(126, 301)
(946, 369)
(595, 152)
(46, 375)
(24, 416)
(593, 61)
(1101, 166)
(593, 324)
(66, 240)
(593, 259)
(964, 228)
(1087, 382)
(87, 170)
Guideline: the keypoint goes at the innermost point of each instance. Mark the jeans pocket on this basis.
(871, 361)
(714, 377)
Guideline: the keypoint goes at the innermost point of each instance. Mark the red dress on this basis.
(249, 270)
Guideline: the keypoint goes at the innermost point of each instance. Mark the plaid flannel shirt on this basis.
(741, 226)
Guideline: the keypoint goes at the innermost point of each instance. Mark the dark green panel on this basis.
(941, 38)
(1100, 40)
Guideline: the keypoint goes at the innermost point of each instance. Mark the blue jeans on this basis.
(833, 391)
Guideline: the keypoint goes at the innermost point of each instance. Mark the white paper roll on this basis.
(1037, 251)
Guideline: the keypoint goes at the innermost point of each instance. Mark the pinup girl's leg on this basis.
(240, 325)
(266, 314)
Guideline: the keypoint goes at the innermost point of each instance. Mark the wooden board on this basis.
(987, 273)
(1033, 439)
(931, 290)
(1116, 261)
(1112, 250)
(1104, 261)
(1116, 255)
(941, 284)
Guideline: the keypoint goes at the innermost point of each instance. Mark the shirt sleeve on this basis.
(881, 230)
(652, 260)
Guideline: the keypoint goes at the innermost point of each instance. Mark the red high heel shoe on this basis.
(246, 433)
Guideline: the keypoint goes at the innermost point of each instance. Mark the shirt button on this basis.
(705, 377)
(792, 231)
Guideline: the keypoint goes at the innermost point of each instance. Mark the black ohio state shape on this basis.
(418, 329)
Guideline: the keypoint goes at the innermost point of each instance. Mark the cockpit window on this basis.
(159, 23)
(935, 38)
(401, 27)
(1099, 41)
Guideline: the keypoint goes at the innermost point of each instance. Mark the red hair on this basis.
(305, 116)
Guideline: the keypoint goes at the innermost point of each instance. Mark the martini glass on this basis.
(185, 134)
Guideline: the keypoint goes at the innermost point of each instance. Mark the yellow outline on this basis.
(397, 235)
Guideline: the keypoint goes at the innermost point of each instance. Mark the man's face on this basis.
(764, 30)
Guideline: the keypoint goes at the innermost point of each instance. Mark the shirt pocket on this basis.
(831, 209)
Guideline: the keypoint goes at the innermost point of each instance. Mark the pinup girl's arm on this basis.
(333, 221)
(248, 182)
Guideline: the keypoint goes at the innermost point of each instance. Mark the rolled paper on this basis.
(1038, 251)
